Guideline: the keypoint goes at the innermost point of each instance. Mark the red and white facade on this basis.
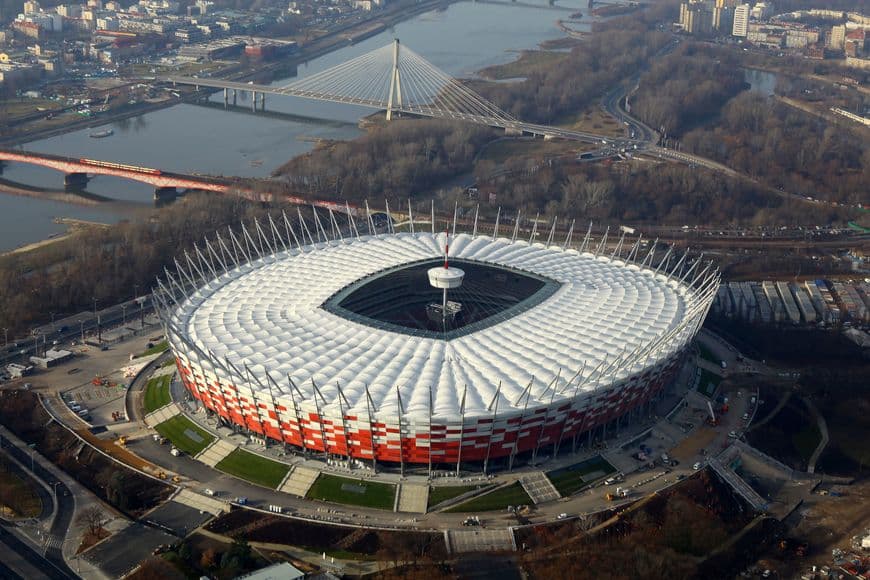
(254, 345)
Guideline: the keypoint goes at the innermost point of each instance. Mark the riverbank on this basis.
(74, 226)
(333, 40)
(87, 123)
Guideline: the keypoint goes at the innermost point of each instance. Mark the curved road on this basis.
(52, 556)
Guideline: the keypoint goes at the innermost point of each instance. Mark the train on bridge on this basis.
(121, 166)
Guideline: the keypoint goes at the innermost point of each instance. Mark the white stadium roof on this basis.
(267, 315)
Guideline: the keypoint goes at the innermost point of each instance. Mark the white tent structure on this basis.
(254, 341)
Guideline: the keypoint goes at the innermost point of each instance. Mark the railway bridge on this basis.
(78, 171)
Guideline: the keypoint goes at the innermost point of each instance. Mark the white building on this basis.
(837, 38)
(761, 11)
(741, 20)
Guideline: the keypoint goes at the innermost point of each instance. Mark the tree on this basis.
(208, 559)
(93, 518)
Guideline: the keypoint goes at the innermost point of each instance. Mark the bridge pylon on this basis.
(395, 83)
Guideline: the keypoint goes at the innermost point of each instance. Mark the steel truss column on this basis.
(461, 429)
(491, 427)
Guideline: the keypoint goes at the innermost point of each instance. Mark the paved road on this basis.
(52, 549)
(72, 328)
(133, 400)
(24, 561)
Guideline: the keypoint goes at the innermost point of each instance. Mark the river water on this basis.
(460, 40)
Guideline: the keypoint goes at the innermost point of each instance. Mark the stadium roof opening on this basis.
(400, 298)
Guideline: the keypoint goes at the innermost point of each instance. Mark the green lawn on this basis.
(185, 435)
(353, 492)
(708, 382)
(497, 500)
(157, 393)
(439, 494)
(569, 479)
(157, 348)
(254, 468)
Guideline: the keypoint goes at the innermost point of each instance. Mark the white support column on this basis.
(395, 96)
(491, 426)
(461, 429)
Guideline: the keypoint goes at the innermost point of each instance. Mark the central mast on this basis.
(445, 278)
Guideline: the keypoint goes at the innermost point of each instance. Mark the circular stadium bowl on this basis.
(328, 347)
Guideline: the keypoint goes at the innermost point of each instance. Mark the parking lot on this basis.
(179, 518)
(99, 405)
(122, 551)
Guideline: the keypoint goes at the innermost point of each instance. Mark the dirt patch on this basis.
(820, 525)
(666, 535)
(256, 527)
(689, 447)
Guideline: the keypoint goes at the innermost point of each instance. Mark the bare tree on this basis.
(92, 517)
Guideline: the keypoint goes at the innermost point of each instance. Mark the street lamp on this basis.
(124, 312)
(31, 445)
(95, 306)
(52, 321)
(82, 324)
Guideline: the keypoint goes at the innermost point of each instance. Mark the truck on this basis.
(621, 492)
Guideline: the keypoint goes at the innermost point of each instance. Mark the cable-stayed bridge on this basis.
(399, 80)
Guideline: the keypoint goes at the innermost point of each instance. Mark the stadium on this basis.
(371, 347)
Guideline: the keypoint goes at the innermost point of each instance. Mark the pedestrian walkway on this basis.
(299, 481)
(480, 540)
(413, 498)
(539, 487)
(201, 502)
(823, 429)
(52, 541)
(162, 414)
(216, 452)
(163, 371)
(737, 484)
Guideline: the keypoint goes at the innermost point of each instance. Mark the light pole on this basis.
(82, 325)
(95, 306)
(52, 321)
(124, 313)
(5, 338)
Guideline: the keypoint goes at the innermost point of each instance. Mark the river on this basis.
(460, 40)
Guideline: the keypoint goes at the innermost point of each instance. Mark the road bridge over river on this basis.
(401, 82)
